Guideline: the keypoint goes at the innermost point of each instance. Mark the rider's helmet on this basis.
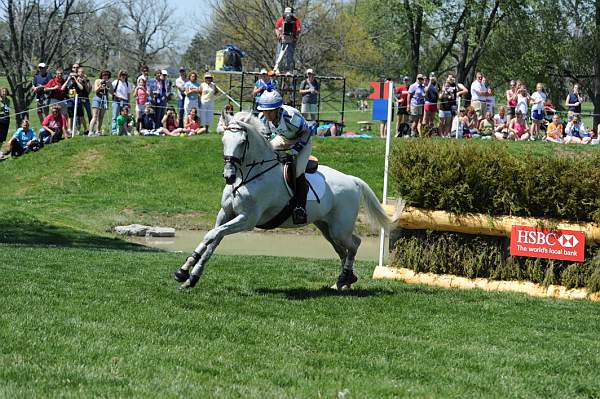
(269, 100)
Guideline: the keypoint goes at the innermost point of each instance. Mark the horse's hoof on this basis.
(181, 275)
(345, 281)
(190, 282)
(344, 287)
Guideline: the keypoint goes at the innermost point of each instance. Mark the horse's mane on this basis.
(254, 128)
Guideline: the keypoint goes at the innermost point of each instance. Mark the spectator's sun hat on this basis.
(263, 71)
(309, 71)
(181, 69)
(42, 65)
(288, 10)
(269, 100)
(420, 76)
(405, 78)
(208, 76)
(164, 72)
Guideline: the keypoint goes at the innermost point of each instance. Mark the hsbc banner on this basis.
(550, 244)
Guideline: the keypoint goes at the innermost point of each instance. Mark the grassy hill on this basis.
(94, 184)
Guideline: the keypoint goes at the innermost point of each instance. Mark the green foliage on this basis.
(522, 179)
(488, 257)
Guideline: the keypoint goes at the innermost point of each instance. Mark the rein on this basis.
(235, 161)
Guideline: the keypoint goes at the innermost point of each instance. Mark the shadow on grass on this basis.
(302, 294)
(22, 229)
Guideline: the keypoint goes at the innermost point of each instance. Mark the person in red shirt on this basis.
(54, 127)
(287, 30)
(401, 93)
(55, 88)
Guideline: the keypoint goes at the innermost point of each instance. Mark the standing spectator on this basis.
(192, 93)
(416, 102)
(57, 94)
(538, 99)
(287, 30)
(158, 95)
(208, 91)
(121, 91)
(180, 87)
(511, 99)
(4, 115)
(445, 113)
(574, 101)
(168, 84)
(141, 98)
(479, 94)
(457, 89)
(554, 131)
(84, 96)
(272, 83)
(522, 100)
(40, 80)
(76, 84)
(143, 73)
(517, 128)
(431, 99)
(102, 89)
(309, 89)
(54, 127)
(24, 140)
(576, 133)
(260, 86)
(501, 124)
(125, 122)
(401, 94)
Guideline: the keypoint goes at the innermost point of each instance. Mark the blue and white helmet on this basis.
(269, 100)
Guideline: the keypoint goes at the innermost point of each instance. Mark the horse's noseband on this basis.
(232, 160)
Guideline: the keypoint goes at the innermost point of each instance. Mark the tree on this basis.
(33, 31)
(151, 27)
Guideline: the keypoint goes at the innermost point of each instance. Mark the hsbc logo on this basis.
(568, 241)
(551, 244)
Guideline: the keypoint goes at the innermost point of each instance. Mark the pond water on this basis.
(307, 245)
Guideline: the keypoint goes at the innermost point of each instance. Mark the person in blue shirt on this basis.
(24, 140)
(40, 80)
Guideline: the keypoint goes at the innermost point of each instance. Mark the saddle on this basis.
(288, 170)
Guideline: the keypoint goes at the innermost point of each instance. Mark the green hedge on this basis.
(488, 257)
(499, 178)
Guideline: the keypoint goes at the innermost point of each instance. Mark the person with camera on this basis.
(121, 91)
(309, 90)
(287, 31)
(75, 86)
(102, 88)
(84, 96)
(41, 79)
(4, 115)
(157, 88)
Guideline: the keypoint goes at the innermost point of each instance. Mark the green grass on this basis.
(79, 322)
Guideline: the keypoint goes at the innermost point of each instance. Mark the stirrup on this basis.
(299, 215)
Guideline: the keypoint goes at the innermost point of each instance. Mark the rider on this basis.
(287, 130)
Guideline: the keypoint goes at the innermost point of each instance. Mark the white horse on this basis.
(256, 193)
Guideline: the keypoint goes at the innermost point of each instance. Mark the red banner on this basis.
(550, 244)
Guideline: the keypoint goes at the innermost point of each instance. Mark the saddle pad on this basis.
(317, 182)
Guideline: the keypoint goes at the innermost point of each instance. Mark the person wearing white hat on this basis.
(309, 90)
(287, 31)
(208, 94)
(287, 129)
(40, 79)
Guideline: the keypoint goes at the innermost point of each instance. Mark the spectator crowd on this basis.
(427, 107)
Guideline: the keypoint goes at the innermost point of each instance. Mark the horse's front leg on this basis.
(211, 241)
(182, 274)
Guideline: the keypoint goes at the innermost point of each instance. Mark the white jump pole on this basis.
(388, 142)
(228, 96)
(459, 124)
(75, 114)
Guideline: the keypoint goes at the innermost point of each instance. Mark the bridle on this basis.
(237, 163)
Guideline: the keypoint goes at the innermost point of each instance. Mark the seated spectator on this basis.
(148, 124)
(517, 128)
(576, 133)
(486, 126)
(54, 127)
(170, 123)
(191, 125)
(554, 131)
(327, 129)
(227, 110)
(500, 124)
(125, 122)
(460, 125)
(472, 122)
(24, 140)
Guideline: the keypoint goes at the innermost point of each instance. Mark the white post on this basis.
(228, 96)
(388, 142)
(74, 115)
(459, 124)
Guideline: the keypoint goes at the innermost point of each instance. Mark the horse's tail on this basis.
(375, 212)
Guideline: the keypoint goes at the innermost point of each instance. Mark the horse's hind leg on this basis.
(347, 276)
(340, 250)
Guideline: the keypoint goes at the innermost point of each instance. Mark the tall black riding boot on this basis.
(299, 214)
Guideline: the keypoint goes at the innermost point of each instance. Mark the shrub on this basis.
(499, 178)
